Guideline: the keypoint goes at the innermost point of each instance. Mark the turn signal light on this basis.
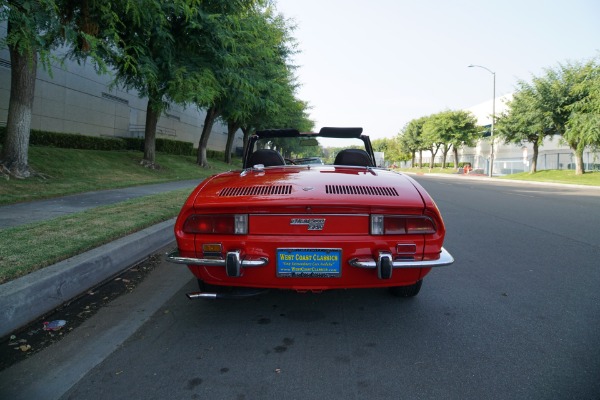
(221, 224)
(401, 225)
(211, 248)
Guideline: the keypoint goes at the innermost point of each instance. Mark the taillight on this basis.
(221, 224)
(401, 225)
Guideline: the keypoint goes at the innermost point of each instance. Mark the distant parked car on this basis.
(309, 227)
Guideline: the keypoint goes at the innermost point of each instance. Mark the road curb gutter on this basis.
(25, 299)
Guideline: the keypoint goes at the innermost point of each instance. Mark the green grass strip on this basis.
(70, 171)
(31, 247)
(558, 176)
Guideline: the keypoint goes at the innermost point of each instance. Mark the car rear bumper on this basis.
(445, 259)
(233, 268)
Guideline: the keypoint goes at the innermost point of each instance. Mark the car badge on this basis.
(308, 188)
(314, 224)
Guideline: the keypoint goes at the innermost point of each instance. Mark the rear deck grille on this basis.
(256, 191)
(361, 190)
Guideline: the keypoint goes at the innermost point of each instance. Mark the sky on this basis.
(382, 63)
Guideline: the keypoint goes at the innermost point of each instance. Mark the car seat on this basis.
(266, 157)
(355, 157)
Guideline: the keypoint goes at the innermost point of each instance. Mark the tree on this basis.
(264, 74)
(568, 95)
(164, 51)
(526, 120)
(585, 120)
(254, 78)
(433, 135)
(34, 29)
(462, 131)
(446, 130)
(583, 128)
(289, 112)
(391, 148)
(411, 139)
(227, 65)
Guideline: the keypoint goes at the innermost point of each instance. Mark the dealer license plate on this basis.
(309, 263)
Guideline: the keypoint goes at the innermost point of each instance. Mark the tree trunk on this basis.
(232, 128)
(152, 115)
(420, 159)
(455, 151)
(211, 115)
(433, 154)
(412, 164)
(15, 152)
(577, 148)
(534, 157)
(432, 163)
(579, 169)
(444, 157)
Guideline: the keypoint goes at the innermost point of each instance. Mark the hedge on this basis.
(162, 145)
(71, 141)
(82, 142)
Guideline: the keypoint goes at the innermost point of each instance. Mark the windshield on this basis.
(302, 151)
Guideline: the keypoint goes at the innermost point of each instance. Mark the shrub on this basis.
(214, 154)
(75, 141)
(175, 147)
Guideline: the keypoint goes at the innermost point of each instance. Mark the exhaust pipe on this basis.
(201, 295)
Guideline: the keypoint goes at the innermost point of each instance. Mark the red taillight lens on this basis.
(394, 225)
(401, 225)
(226, 224)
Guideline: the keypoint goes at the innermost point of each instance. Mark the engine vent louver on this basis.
(256, 191)
(361, 190)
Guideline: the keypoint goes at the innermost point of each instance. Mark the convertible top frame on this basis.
(327, 132)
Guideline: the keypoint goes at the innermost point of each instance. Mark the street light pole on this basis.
(493, 115)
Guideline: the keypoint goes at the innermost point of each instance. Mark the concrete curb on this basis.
(30, 297)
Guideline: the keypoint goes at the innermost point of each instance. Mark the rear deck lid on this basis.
(328, 185)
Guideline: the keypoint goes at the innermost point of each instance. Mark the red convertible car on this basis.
(344, 224)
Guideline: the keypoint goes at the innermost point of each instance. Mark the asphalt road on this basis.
(516, 317)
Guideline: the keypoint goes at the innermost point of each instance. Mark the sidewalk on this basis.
(29, 297)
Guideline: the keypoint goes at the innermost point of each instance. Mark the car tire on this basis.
(407, 291)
